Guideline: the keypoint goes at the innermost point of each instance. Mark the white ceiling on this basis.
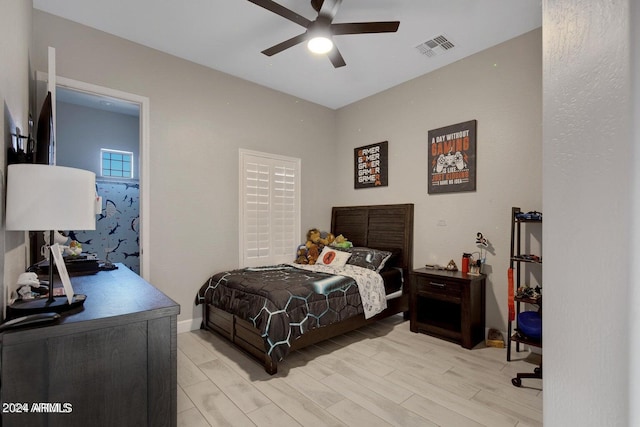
(228, 35)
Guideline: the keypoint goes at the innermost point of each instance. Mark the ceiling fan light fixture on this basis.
(319, 32)
(320, 45)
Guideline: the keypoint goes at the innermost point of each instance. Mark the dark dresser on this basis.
(111, 364)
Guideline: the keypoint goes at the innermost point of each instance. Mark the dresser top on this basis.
(113, 298)
(116, 293)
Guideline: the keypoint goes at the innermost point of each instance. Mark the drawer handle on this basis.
(440, 285)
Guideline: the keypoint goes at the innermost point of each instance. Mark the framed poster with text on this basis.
(371, 165)
(452, 158)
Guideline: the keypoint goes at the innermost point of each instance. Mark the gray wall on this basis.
(199, 122)
(501, 88)
(15, 43)
(82, 132)
(199, 119)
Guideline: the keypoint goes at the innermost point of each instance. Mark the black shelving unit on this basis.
(520, 223)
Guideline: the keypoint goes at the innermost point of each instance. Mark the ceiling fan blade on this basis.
(365, 27)
(285, 44)
(274, 7)
(329, 9)
(336, 58)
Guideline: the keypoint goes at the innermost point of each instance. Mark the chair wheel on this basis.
(516, 382)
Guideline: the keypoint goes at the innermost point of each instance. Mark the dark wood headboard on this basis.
(388, 227)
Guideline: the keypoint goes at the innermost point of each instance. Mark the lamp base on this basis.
(43, 305)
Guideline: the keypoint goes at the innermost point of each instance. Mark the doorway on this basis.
(121, 228)
(93, 132)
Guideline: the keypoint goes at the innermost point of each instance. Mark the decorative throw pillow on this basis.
(372, 259)
(330, 256)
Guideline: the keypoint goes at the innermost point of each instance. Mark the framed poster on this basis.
(371, 165)
(452, 158)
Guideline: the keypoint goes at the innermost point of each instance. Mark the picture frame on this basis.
(56, 251)
(451, 158)
(370, 165)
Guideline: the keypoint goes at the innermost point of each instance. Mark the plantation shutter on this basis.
(270, 208)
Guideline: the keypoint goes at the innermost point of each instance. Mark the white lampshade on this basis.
(44, 197)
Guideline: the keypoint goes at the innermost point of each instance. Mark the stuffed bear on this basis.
(312, 254)
(313, 237)
(316, 241)
(301, 255)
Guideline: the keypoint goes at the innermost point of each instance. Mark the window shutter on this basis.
(256, 212)
(284, 210)
(270, 208)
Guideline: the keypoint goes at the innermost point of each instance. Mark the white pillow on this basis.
(332, 257)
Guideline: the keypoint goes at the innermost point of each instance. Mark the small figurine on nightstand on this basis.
(451, 266)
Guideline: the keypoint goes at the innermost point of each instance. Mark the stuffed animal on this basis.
(312, 254)
(318, 238)
(74, 249)
(313, 236)
(341, 242)
(316, 241)
(326, 238)
(301, 255)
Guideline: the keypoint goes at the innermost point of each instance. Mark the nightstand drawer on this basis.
(437, 286)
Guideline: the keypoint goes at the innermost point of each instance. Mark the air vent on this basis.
(436, 46)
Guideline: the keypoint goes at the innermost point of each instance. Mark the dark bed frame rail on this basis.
(387, 227)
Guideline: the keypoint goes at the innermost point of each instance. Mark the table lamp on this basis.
(49, 198)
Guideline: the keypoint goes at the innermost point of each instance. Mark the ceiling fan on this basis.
(321, 30)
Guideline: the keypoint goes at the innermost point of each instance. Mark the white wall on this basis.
(590, 196)
(15, 42)
(199, 120)
(502, 89)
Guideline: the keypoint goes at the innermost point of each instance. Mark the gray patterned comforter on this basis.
(283, 301)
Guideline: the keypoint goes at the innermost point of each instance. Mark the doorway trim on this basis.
(143, 102)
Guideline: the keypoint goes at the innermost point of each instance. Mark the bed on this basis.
(230, 312)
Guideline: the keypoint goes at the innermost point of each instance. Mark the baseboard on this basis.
(536, 350)
(189, 325)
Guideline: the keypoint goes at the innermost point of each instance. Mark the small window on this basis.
(116, 163)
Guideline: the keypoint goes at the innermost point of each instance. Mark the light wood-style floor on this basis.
(380, 375)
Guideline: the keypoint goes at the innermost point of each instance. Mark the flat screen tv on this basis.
(44, 133)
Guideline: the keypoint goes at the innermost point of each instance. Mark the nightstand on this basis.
(449, 305)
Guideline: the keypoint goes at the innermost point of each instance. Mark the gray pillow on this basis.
(372, 259)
